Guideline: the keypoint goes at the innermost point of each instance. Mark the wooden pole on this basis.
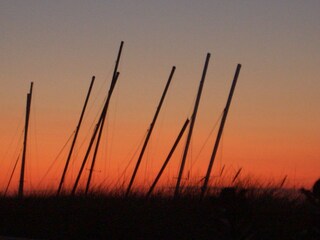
(98, 125)
(113, 83)
(150, 131)
(193, 119)
(168, 158)
(75, 137)
(23, 162)
(223, 120)
(99, 135)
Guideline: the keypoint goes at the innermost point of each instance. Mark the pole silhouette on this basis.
(99, 135)
(168, 158)
(23, 162)
(150, 131)
(223, 120)
(98, 125)
(75, 137)
(193, 119)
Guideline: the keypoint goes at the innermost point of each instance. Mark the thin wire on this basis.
(19, 140)
(14, 168)
(207, 139)
(190, 156)
(110, 133)
(221, 150)
(90, 129)
(132, 157)
(56, 158)
(159, 129)
(29, 169)
(77, 147)
(114, 125)
(147, 159)
(90, 107)
(101, 87)
(30, 156)
(35, 132)
(190, 112)
(13, 138)
(185, 143)
(105, 149)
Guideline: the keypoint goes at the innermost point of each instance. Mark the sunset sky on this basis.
(273, 125)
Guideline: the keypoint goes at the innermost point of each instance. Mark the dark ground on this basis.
(244, 215)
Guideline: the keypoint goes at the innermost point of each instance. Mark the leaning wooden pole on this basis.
(100, 134)
(74, 188)
(168, 158)
(150, 131)
(193, 119)
(113, 81)
(23, 162)
(223, 120)
(96, 129)
(75, 137)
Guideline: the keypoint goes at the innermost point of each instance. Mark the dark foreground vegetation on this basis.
(230, 214)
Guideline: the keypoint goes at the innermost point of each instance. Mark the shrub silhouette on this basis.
(316, 189)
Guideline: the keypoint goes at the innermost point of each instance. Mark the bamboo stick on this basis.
(193, 119)
(168, 158)
(223, 120)
(150, 131)
(75, 137)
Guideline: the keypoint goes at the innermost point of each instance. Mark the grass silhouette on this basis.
(228, 213)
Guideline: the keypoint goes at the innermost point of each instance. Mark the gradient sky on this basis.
(273, 125)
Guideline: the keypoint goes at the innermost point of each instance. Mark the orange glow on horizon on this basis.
(272, 129)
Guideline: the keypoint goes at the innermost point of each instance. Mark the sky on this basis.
(272, 129)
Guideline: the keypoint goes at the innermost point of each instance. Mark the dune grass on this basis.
(235, 213)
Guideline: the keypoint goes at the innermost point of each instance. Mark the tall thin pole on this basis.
(23, 162)
(115, 70)
(97, 127)
(168, 158)
(193, 119)
(85, 159)
(150, 131)
(113, 82)
(99, 135)
(75, 136)
(223, 120)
